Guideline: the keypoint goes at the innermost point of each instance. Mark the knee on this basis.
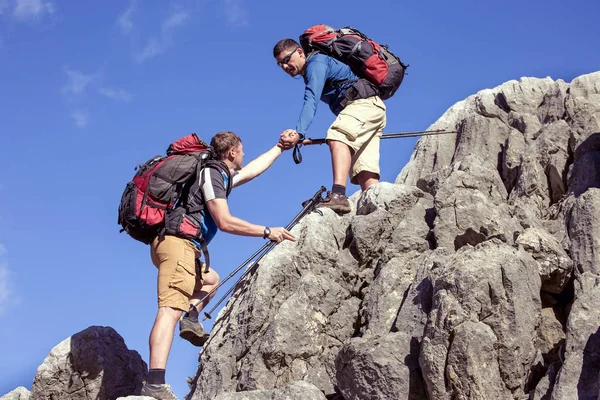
(165, 313)
(211, 278)
(216, 279)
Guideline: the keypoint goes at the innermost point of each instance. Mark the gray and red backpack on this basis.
(365, 57)
(163, 198)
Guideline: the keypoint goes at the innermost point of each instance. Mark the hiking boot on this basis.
(192, 331)
(160, 392)
(337, 202)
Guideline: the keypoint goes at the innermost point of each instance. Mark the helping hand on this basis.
(288, 139)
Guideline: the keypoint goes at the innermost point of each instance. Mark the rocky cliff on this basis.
(474, 276)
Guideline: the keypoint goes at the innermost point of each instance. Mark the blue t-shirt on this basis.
(322, 73)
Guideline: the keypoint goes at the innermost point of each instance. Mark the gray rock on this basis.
(527, 124)
(512, 158)
(554, 264)
(550, 335)
(530, 193)
(552, 150)
(92, 364)
(471, 207)
(294, 310)
(543, 391)
(584, 231)
(20, 393)
(579, 377)
(371, 369)
(552, 107)
(297, 390)
(136, 398)
(526, 95)
(583, 105)
(432, 287)
(584, 173)
(498, 304)
(385, 363)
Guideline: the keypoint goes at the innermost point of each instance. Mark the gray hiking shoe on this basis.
(337, 202)
(160, 392)
(192, 331)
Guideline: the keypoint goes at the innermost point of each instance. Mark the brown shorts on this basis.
(360, 125)
(175, 259)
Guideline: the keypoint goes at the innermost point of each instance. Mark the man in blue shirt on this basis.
(354, 136)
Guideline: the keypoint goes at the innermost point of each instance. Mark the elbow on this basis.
(224, 225)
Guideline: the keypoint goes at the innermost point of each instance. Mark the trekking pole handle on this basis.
(309, 141)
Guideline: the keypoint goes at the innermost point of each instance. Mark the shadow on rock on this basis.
(588, 386)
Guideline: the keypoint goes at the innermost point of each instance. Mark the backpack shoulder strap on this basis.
(220, 165)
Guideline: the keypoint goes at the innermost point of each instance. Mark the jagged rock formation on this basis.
(475, 275)
(92, 364)
(19, 393)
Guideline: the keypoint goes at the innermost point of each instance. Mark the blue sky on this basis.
(90, 89)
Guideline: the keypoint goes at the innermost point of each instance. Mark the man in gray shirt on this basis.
(180, 286)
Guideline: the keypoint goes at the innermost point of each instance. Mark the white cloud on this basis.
(116, 94)
(5, 286)
(33, 9)
(176, 19)
(158, 45)
(81, 118)
(77, 82)
(236, 13)
(124, 20)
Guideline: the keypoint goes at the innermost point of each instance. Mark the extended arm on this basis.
(259, 165)
(219, 210)
(316, 74)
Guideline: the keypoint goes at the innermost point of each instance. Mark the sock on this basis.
(156, 377)
(192, 315)
(339, 189)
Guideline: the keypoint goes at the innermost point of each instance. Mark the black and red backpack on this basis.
(365, 57)
(157, 200)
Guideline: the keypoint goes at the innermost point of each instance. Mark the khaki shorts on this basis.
(175, 259)
(360, 125)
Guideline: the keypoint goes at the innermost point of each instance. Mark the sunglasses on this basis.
(286, 59)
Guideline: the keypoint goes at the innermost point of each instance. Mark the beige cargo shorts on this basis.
(360, 125)
(175, 259)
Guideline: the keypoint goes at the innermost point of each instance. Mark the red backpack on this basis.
(366, 58)
(155, 200)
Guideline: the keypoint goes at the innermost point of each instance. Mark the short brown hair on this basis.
(284, 44)
(224, 141)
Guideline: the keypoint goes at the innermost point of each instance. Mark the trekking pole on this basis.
(307, 205)
(396, 135)
(316, 198)
(231, 275)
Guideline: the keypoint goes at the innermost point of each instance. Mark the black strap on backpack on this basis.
(221, 166)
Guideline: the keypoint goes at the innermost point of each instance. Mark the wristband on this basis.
(267, 232)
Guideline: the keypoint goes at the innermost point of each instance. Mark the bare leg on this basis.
(210, 281)
(366, 179)
(340, 161)
(161, 336)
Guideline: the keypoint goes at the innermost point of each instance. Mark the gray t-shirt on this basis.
(213, 184)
